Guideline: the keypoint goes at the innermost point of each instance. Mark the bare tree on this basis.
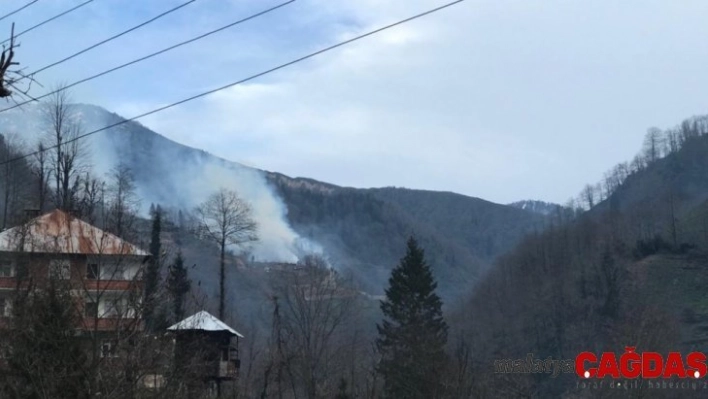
(10, 78)
(638, 163)
(90, 197)
(622, 170)
(653, 144)
(316, 310)
(67, 159)
(122, 202)
(588, 196)
(5, 63)
(672, 141)
(226, 219)
(688, 131)
(40, 169)
(14, 178)
(609, 184)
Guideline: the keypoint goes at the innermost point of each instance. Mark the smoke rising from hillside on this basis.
(189, 177)
(173, 175)
(277, 241)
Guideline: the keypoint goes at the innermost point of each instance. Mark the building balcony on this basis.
(228, 369)
(111, 324)
(86, 284)
(110, 285)
(8, 282)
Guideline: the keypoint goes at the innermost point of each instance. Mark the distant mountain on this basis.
(485, 228)
(631, 270)
(167, 172)
(363, 231)
(540, 207)
(366, 228)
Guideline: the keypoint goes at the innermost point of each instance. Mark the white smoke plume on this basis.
(174, 175)
(277, 241)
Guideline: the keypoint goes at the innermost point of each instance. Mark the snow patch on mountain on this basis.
(534, 206)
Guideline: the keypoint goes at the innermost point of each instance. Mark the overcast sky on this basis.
(502, 100)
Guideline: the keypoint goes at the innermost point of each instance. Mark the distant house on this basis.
(103, 270)
(211, 343)
(269, 267)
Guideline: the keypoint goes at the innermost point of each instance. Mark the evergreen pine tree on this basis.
(413, 334)
(46, 358)
(178, 285)
(152, 273)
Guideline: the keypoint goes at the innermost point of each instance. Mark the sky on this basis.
(498, 99)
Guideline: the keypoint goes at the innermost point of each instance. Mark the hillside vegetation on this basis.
(363, 230)
(360, 230)
(631, 271)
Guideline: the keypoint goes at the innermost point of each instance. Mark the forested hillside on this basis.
(629, 272)
(483, 227)
(620, 265)
(360, 230)
(363, 230)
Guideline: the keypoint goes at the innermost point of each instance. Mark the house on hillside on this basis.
(211, 345)
(103, 271)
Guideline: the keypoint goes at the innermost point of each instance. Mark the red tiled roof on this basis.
(59, 232)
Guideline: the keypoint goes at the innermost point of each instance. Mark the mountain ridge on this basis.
(362, 230)
(630, 270)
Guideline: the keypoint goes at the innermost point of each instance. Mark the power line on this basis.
(47, 21)
(18, 10)
(238, 82)
(171, 10)
(106, 72)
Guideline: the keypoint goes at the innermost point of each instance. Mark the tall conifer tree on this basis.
(413, 334)
(178, 285)
(152, 272)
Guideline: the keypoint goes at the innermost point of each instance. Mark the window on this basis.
(91, 309)
(7, 269)
(108, 348)
(117, 308)
(119, 272)
(113, 271)
(60, 269)
(225, 353)
(22, 268)
(92, 271)
(5, 307)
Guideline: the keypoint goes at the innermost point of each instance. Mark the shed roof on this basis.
(203, 321)
(59, 232)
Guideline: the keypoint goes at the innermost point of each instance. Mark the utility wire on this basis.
(171, 10)
(18, 10)
(47, 21)
(238, 82)
(106, 72)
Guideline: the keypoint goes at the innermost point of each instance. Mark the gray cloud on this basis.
(497, 99)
